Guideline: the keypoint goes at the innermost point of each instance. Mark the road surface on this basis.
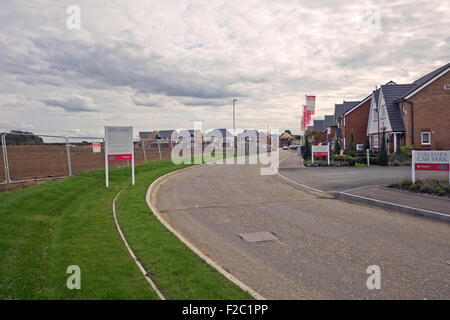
(325, 245)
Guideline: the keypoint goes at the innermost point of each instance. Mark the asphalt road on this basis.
(325, 245)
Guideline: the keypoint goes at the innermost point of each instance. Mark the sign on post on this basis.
(430, 161)
(96, 147)
(321, 151)
(118, 146)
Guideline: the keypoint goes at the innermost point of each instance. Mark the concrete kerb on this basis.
(343, 195)
(153, 188)
(393, 206)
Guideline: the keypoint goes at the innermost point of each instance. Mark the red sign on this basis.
(119, 157)
(432, 166)
(320, 154)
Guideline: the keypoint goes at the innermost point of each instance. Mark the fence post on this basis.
(69, 162)
(413, 167)
(143, 149)
(5, 159)
(368, 157)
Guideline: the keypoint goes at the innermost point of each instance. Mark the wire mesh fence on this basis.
(26, 157)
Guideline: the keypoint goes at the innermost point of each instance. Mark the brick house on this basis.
(345, 131)
(416, 113)
(425, 111)
(355, 120)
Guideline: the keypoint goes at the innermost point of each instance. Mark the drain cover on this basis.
(258, 236)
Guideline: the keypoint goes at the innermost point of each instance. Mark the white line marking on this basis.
(144, 272)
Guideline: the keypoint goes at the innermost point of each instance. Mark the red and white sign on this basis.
(119, 157)
(321, 151)
(96, 147)
(119, 147)
(432, 160)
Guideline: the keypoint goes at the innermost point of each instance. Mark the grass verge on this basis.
(48, 227)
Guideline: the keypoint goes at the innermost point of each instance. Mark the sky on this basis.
(163, 64)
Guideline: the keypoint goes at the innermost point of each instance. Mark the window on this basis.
(375, 141)
(426, 138)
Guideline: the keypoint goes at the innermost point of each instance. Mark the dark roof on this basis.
(145, 134)
(376, 95)
(338, 110)
(165, 133)
(391, 93)
(349, 105)
(421, 81)
(330, 121)
(319, 125)
(249, 133)
(190, 132)
(223, 132)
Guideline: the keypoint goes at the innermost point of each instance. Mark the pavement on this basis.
(325, 245)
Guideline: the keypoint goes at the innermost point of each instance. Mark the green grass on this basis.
(48, 227)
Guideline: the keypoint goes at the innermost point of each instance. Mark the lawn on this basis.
(48, 227)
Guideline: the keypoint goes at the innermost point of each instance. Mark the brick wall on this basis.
(356, 121)
(431, 113)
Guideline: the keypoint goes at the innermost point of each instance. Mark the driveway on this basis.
(325, 245)
(345, 178)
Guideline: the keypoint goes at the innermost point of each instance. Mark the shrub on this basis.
(382, 155)
(441, 191)
(406, 150)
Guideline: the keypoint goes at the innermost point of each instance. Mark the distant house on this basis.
(190, 137)
(329, 132)
(285, 139)
(167, 136)
(221, 137)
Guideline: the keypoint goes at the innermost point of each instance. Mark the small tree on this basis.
(337, 147)
(383, 159)
(366, 144)
(307, 151)
(352, 141)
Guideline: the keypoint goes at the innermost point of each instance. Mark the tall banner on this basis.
(310, 102)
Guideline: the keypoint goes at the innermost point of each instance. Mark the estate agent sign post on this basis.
(118, 146)
(430, 161)
(320, 151)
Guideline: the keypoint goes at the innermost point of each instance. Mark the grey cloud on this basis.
(71, 104)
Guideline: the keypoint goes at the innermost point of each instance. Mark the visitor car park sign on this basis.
(432, 160)
(118, 147)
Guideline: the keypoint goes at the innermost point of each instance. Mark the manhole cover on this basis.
(258, 236)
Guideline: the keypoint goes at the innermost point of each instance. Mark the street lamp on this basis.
(234, 126)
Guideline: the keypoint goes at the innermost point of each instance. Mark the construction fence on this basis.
(26, 157)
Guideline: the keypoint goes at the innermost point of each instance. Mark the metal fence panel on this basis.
(39, 158)
(2, 163)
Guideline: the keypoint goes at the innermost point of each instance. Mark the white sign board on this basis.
(320, 151)
(96, 147)
(118, 146)
(431, 160)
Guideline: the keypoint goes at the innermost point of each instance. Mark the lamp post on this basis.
(234, 127)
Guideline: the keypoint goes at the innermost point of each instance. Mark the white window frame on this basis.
(375, 141)
(429, 138)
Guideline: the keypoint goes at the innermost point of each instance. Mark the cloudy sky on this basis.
(162, 64)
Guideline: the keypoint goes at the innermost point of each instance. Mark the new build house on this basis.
(416, 113)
